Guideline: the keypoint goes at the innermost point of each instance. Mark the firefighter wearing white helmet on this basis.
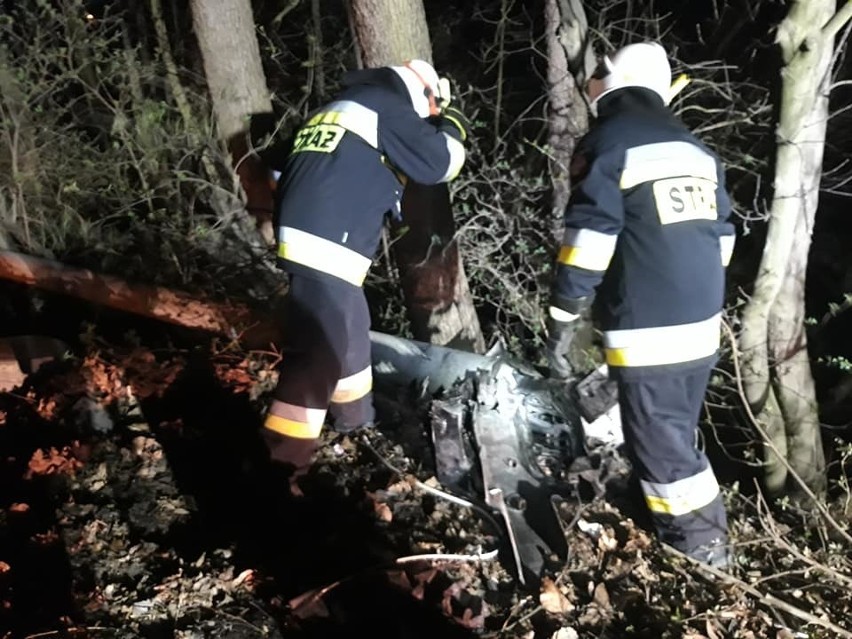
(644, 64)
(428, 93)
(647, 238)
(343, 173)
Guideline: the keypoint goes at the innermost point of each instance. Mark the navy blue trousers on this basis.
(325, 369)
(659, 416)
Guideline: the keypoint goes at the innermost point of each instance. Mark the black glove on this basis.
(452, 120)
(559, 337)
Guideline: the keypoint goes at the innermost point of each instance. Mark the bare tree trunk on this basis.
(435, 288)
(226, 37)
(390, 31)
(776, 370)
(569, 61)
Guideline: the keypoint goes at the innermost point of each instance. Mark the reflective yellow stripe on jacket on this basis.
(682, 496)
(322, 255)
(354, 117)
(663, 344)
(588, 249)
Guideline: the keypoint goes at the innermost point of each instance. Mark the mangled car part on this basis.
(506, 433)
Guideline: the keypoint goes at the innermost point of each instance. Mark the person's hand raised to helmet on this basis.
(454, 122)
(444, 93)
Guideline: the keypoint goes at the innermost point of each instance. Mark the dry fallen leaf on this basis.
(247, 576)
(552, 599)
(380, 508)
(607, 540)
(52, 461)
(644, 571)
(399, 488)
(383, 512)
(638, 540)
(601, 597)
(310, 604)
(712, 632)
(565, 633)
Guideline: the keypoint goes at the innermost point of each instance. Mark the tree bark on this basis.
(154, 302)
(568, 60)
(776, 370)
(231, 55)
(390, 31)
(434, 284)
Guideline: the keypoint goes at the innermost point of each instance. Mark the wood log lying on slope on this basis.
(167, 305)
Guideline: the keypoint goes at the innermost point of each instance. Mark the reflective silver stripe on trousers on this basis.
(651, 162)
(353, 387)
(323, 255)
(663, 344)
(295, 421)
(682, 496)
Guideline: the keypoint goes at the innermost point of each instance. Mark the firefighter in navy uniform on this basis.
(647, 239)
(344, 173)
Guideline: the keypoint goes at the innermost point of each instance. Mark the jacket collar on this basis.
(382, 76)
(630, 99)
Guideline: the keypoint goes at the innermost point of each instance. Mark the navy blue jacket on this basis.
(647, 236)
(343, 174)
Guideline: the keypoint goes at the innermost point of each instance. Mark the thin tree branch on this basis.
(837, 21)
(768, 600)
(771, 445)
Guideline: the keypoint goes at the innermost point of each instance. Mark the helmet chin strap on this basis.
(434, 109)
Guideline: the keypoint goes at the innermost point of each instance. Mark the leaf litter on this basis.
(132, 483)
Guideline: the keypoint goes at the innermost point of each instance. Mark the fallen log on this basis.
(155, 302)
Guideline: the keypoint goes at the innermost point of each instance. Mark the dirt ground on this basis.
(134, 503)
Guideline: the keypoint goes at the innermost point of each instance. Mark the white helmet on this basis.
(644, 64)
(428, 92)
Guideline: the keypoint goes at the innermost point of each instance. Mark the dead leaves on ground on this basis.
(556, 599)
(53, 462)
(380, 498)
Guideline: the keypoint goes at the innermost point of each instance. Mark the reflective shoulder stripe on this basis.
(683, 496)
(457, 157)
(588, 249)
(353, 117)
(353, 387)
(651, 162)
(295, 421)
(663, 344)
(726, 244)
(322, 255)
